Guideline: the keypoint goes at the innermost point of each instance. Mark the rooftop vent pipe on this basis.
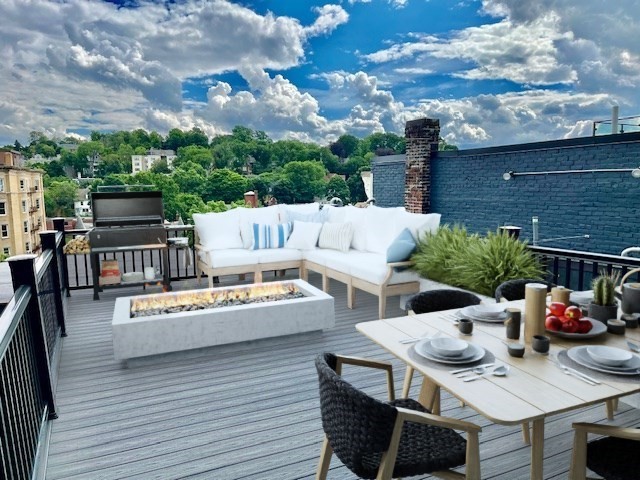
(615, 110)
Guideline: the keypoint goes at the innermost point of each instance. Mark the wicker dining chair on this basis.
(514, 289)
(399, 438)
(435, 301)
(614, 457)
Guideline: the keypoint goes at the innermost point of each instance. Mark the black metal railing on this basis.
(575, 269)
(181, 260)
(30, 328)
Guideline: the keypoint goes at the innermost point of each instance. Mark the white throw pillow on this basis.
(418, 223)
(356, 217)
(380, 227)
(249, 216)
(218, 231)
(336, 236)
(304, 235)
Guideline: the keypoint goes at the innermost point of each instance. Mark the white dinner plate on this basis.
(474, 353)
(470, 312)
(580, 355)
(598, 329)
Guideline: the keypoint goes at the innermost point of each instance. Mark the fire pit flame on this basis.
(204, 299)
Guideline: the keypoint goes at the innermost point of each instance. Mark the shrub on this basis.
(457, 258)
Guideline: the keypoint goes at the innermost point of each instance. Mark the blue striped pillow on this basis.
(270, 236)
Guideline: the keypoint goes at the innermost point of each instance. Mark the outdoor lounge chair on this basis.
(614, 457)
(379, 440)
(435, 301)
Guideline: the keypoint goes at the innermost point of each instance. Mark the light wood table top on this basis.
(535, 387)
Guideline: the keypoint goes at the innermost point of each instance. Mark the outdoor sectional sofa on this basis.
(364, 248)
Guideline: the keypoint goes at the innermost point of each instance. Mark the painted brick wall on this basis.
(388, 180)
(467, 187)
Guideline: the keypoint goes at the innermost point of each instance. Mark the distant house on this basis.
(82, 206)
(142, 163)
(11, 158)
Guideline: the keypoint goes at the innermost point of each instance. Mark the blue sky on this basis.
(493, 71)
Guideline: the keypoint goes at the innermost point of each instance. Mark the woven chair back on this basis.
(443, 299)
(355, 423)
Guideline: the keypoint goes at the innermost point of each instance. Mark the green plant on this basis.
(437, 256)
(604, 289)
(457, 258)
(498, 257)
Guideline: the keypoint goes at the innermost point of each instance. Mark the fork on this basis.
(633, 347)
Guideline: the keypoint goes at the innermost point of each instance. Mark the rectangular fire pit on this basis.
(177, 321)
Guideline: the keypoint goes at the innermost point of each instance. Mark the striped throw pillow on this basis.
(270, 236)
(336, 236)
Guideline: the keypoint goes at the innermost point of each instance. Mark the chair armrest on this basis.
(365, 362)
(407, 415)
(609, 430)
(406, 263)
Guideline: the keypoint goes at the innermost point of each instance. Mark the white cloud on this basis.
(413, 71)
(329, 18)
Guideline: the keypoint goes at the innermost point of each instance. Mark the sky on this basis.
(494, 72)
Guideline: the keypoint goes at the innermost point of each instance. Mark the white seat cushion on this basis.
(333, 259)
(280, 255)
(372, 267)
(315, 255)
(232, 257)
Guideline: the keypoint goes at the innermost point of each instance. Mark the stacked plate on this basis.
(468, 354)
(484, 313)
(606, 359)
(597, 329)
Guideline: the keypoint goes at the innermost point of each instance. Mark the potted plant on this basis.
(604, 305)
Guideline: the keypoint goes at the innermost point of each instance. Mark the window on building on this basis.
(24, 206)
(1, 184)
(38, 203)
(27, 247)
(6, 251)
(36, 184)
(4, 230)
(21, 184)
(3, 208)
(25, 226)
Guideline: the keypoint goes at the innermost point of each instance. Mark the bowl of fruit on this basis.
(568, 322)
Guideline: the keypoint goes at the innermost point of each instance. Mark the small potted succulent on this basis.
(604, 305)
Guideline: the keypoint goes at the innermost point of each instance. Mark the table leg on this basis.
(537, 449)
(429, 396)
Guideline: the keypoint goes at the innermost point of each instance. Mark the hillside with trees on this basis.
(208, 174)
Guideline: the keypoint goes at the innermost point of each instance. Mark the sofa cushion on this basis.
(336, 214)
(299, 208)
(418, 223)
(232, 257)
(402, 247)
(380, 227)
(304, 235)
(249, 216)
(218, 230)
(356, 217)
(333, 259)
(372, 267)
(317, 217)
(336, 236)
(280, 255)
(270, 236)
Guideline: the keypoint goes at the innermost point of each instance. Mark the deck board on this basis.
(248, 410)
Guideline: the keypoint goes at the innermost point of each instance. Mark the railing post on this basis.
(23, 272)
(58, 225)
(48, 240)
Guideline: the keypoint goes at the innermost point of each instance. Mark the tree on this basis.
(194, 154)
(225, 185)
(190, 178)
(160, 166)
(337, 187)
(444, 146)
(345, 146)
(59, 198)
(356, 187)
(307, 179)
(53, 168)
(196, 136)
(175, 139)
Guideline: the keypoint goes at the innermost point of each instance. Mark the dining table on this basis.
(535, 388)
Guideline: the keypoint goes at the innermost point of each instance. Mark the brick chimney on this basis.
(422, 137)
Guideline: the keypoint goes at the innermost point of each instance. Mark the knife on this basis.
(579, 373)
(471, 368)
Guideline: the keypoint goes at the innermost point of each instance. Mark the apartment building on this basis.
(142, 163)
(22, 213)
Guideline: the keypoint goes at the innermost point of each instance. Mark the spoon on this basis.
(477, 371)
(633, 347)
(500, 371)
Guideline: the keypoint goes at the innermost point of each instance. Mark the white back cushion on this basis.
(356, 217)
(249, 216)
(218, 231)
(380, 227)
(302, 208)
(418, 223)
(336, 214)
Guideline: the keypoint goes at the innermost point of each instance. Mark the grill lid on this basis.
(116, 209)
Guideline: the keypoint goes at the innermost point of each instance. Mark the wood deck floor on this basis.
(244, 411)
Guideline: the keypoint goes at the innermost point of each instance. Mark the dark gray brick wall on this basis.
(388, 180)
(467, 187)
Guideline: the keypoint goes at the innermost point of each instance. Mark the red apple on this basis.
(573, 312)
(584, 326)
(570, 326)
(553, 323)
(557, 308)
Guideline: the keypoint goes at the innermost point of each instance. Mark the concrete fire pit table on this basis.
(185, 330)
